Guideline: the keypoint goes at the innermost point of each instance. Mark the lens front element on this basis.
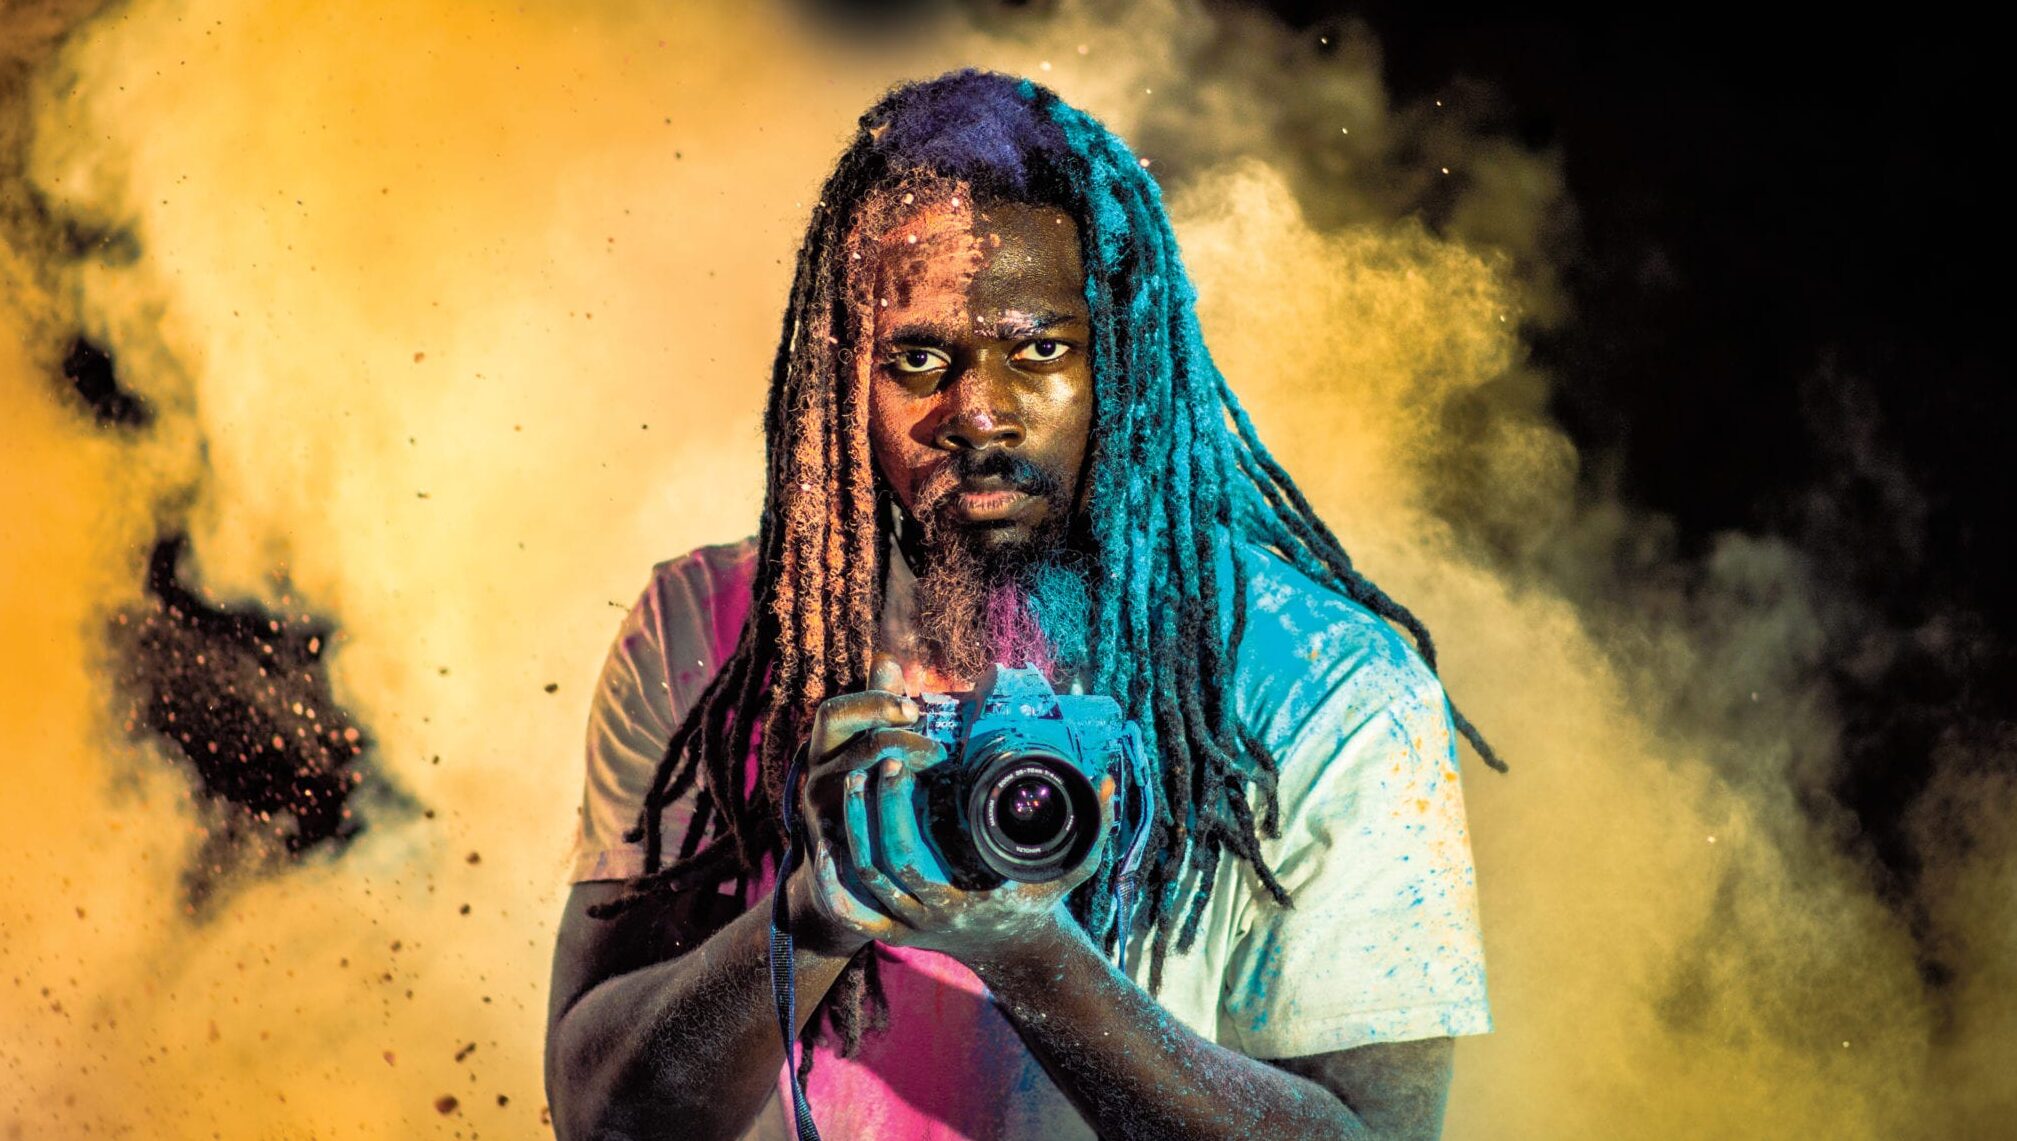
(1032, 811)
(1033, 815)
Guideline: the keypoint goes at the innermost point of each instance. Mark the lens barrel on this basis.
(1032, 813)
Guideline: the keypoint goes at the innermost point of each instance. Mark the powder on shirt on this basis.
(1382, 943)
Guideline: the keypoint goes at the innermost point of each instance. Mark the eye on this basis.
(913, 361)
(1043, 351)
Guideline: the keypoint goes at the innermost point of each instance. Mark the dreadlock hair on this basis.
(1178, 479)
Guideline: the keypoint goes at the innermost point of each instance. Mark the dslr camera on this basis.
(1016, 797)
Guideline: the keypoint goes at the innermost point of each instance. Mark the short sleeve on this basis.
(1382, 943)
(666, 650)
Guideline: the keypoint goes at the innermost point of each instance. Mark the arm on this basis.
(650, 1024)
(661, 1023)
(1128, 1065)
(1135, 1071)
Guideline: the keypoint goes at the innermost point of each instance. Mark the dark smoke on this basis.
(90, 372)
(240, 696)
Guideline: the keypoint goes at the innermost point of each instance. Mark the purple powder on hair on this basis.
(1014, 636)
(978, 126)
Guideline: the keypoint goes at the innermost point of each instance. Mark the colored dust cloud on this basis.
(435, 325)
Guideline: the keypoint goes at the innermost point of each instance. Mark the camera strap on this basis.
(783, 990)
(1134, 815)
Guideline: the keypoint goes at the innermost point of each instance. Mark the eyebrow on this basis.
(937, 334)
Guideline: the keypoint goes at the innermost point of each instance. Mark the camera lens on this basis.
(1030, 814)
(1032, 810)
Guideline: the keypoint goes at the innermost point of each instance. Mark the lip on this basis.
(985, 506)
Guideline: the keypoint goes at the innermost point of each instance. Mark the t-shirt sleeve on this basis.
(1382, 943)
(630, 721)
(659, 662)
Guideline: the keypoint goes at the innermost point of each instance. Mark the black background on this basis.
(1787, 319)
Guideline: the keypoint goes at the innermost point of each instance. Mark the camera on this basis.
(1016, 797)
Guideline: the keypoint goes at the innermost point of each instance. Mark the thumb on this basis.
(886, 673)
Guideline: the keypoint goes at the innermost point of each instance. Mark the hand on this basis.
(850, 733)
(911, 886)
(908, 892)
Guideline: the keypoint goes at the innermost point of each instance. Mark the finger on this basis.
(1101, 839)
(867, 748)
(842, 718)
(886, 674)
(1108, 786)
(841, 902)
(913, 862)
(854, 811)
(909, 746)
(826, 790)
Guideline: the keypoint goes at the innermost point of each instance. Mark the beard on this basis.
(980, 601)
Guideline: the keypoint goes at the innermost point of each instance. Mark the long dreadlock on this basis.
(1178, 479)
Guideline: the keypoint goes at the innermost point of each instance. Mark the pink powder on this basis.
(1014, 637)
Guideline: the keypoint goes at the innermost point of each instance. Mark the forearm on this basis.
(685, 1047)
(1131, 1068)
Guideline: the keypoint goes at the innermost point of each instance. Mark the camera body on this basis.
(1016, 797)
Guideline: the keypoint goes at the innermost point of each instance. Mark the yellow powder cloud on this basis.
(461, 317)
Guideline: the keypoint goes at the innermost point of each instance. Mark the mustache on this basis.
(990, 469)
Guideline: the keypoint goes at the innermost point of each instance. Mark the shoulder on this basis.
(671, 643)
(718, 568)
(703, 594)
(1313, 662)
(684, 622)
(1382, 944)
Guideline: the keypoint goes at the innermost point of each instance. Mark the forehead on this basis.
(940, 251)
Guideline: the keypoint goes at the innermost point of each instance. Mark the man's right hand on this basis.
(663, 1012)
(851, 732)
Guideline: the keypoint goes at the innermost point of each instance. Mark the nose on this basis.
(981, 415)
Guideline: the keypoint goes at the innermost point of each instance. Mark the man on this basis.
(994, 435)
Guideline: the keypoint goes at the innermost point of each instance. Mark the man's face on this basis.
(981, 397)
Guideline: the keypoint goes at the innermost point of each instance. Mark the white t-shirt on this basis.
(1381, 945)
